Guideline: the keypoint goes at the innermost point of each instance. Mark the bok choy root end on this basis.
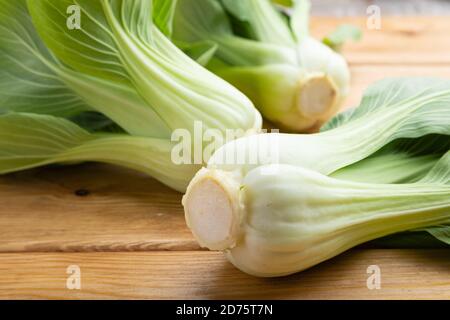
(275, 225)
(377, 170)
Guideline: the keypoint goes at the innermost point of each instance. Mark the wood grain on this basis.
(124, 211)
(405, 274)
(405, 40)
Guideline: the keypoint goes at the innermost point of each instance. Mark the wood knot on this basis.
(82, 192)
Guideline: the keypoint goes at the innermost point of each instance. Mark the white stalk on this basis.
(275, 225)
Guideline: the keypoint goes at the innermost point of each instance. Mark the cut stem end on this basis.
(212, 210)
(318, 98)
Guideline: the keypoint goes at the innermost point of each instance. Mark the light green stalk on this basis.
(296, 81)
(274, 225)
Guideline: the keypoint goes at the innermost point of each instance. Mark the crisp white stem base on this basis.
(212, 209)
(318, 97)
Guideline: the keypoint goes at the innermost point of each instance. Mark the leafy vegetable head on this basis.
(117, 73)
(380, 169)
(120, 52)
(296, 81)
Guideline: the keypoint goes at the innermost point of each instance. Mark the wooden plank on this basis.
(405, 274)
(405, 40)
(124, 211)
(364, 75)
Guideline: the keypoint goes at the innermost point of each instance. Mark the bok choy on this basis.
(112, 90)
(297, 82)
(377, 170)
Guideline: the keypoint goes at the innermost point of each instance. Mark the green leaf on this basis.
(92, 49)
(284, 3)
(95, 122)
(300, 19)
(428, 98)
(441, 233)
(342, 34)
(28, 82)
(299, 14)
(265, 22)
(440, 173)
(33, 80)
(163, 15)
(401, 161)
(121, 53)
(390, 110)
(408, 240)
(257, 46)
(131, 76)
(31, 140)
(199, 21)
(388, 168)
(239, 9)
(425, 158)
(202, 52)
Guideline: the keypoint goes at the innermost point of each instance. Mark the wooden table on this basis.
(127, 234)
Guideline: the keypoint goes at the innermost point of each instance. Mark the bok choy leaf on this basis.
(296, 81)
(121, 53)
(32, 140)
(118, 73)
